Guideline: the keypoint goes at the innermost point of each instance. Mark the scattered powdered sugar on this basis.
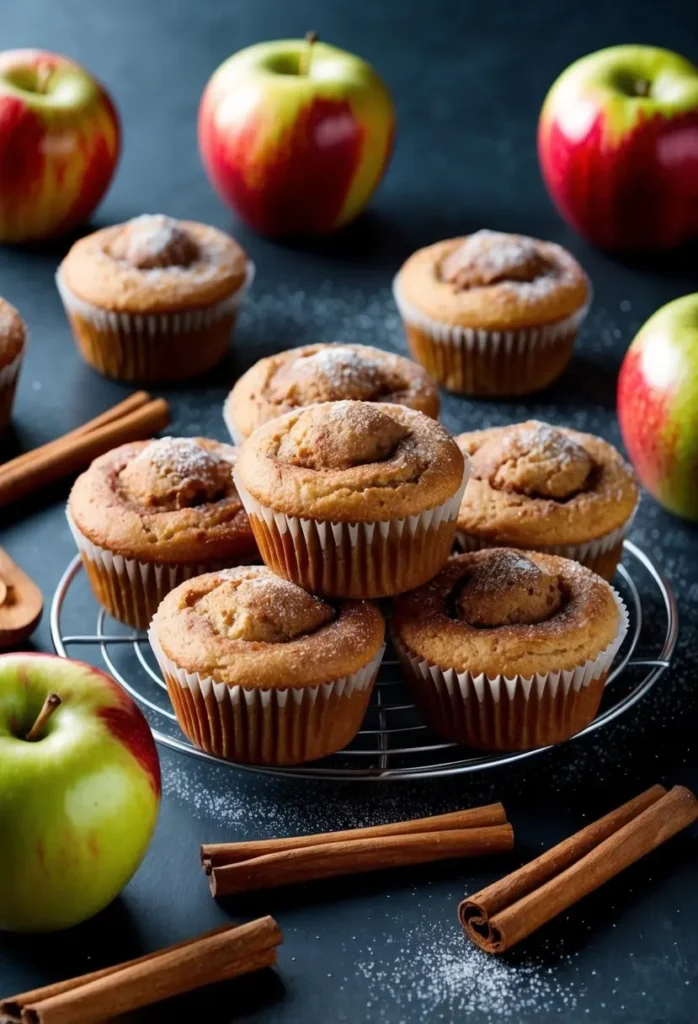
(342, 365)
(181, 456)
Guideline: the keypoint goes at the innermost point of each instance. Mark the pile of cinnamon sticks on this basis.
(244, 867)
(136, 418)
(217, 955)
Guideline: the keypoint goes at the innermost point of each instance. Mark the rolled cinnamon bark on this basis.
(356, 856)
(216, 854)
(505, 913)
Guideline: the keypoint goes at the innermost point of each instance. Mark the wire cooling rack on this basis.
(393, 742)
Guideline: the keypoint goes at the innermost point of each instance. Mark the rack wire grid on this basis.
(394, 742)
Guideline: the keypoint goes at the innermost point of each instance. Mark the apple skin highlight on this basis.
(78, 805)
(57, 155)
(623, 169)
(292, 153)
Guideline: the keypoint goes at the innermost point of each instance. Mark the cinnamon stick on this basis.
(130, 404)
(505, 913)
(216, 854)
(73, 453)
(217, 956)
(356, 856)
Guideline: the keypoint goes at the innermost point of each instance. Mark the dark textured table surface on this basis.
(468, 79)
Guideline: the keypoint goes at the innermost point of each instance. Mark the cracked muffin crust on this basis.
(233, 643)
(327, 372)
(151, 513)
(13, 336)
(492, 313)
(154, 298)
(352, 499)
(509, 649)
(549, 489)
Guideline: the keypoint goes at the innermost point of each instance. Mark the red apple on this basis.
(658, 405)
(79, 791)
(295, 135)
(59, 144)
(618, 147)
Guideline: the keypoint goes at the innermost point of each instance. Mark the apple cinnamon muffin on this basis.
(150, 514)
(13, 336)
(492, 313)
(329, 372)
(549, 489)
(352, 499)
(262, 672)
(154, 299)
(508, 650)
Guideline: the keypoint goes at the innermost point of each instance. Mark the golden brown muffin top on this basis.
(12, 333)
(327, 372)
(247, 627)
(168, 500)
(154, 264)
(493, 281)
(351, 462)
(533, 484)
(506, 612)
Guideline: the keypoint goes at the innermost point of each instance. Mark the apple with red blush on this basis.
(79, 791)
(618, 147)
(658, 405)
(295, 135)
(59, 144)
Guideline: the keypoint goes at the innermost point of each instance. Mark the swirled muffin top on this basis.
(535, 484)
(492, 280)
(327, 373)
(168, 500)
(248, 627)
(507, 612)
(351, 462)
(154, 264)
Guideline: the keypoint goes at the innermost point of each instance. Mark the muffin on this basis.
(549, 489)
(492, 314)
(261, 672)
(150, 514)
(352, 499)
(12, 341)
(325, 373)
(508, 650)
(154, 299)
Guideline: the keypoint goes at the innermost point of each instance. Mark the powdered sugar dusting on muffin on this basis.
(183, 456)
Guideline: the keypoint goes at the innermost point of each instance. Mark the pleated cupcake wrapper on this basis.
(268, 726)
(151, 325)
(137, 584)
(473, 339)
(373, 559)
(502, 706)
(576, 552)
(9, 376)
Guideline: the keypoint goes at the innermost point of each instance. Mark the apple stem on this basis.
(43, 75)
(310, 38)
(52, 702)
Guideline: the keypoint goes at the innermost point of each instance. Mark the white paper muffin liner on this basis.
(9, 375)
(352, 559)
(285, 725)
(136, 344)
(454, 691)
(134, 588)
(477, 339)
(585, 552)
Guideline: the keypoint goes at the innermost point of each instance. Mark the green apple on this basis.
(79, 791)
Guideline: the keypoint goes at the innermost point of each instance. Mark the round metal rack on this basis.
(393, 742)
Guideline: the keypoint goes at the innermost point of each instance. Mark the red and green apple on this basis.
(59, 144)
(295, 135)
(658, 405)
(79, 791)
(618, 147)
